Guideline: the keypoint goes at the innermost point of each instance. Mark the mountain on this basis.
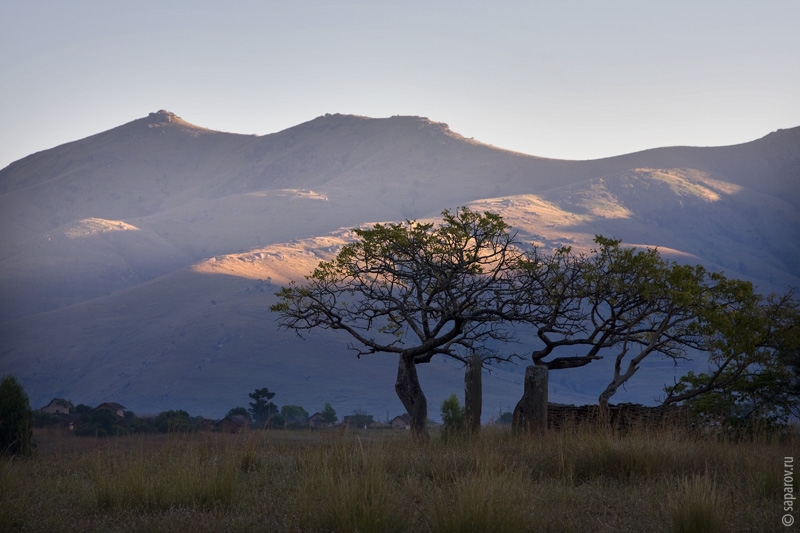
(137, 265)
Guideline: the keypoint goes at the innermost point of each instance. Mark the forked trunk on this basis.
(605, 398)
(412, 397)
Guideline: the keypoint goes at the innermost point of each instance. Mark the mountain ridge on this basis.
(137, 264)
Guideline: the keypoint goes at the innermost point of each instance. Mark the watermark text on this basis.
(789, 496)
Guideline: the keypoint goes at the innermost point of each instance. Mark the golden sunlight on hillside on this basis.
(528, 210)
(278, 263)
(688, 182)
(93, 226)
(306, 194)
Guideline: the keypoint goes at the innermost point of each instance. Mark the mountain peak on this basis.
(162, 115)
(160, 119)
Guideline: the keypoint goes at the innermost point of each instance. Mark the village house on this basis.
(316, 421)
(234, 424)
(58, 406)
(401, 422)
(114, 407)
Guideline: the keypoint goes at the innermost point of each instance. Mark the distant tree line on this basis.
(103, 421)
(264, 413)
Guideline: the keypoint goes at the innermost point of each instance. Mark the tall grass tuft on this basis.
(347, 488)
(482, 500)
(10, 487)
(187, 477)
(698, 506)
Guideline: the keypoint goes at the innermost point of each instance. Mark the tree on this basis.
(173, 422)
(239, 411)
(662, 312)
(100, 423)
(632, 304)
(294, 415)
(16, 419)
(262, 410)
(82, 409)
(453, 418)
(329, 414)
(622, 299)
(360, 419)
(505, 418)
(753, 375)
(415, 290)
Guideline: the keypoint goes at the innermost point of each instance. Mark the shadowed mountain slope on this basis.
(137, 264)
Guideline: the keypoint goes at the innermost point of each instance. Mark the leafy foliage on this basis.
(453, 418)
(329, 414)
(419, 289)
(43, 419)
(82, 409)
(753, 376)
(360, 419)
(100, 423)
(262, 410)
(628, 300)
(241, 411)
(505, 418)
(294, 416)
(414, 289)
(173, 422)
(16, 419)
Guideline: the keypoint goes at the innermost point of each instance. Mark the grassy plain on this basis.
(578, 479)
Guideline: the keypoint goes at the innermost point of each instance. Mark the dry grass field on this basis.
(577, 479)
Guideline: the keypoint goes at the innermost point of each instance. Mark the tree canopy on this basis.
(421, 289)
(753, 373)
(329, 414)
(414, 289)
(262, 411)
(625, 303)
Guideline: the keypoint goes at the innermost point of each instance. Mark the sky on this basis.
(565, 79)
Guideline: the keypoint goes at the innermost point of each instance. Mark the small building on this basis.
(317, 421)
(114, 407)
(58, 406)
(234, 424)
(401, 422)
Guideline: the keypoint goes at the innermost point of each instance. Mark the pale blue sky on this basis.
(564, 79)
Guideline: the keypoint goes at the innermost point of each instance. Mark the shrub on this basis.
(697, 506)
(239, 411)
(100, 423)
(453, 418)
(16, 419)
(173, 421)
(360, 419)
(42, 419)
(294, 415)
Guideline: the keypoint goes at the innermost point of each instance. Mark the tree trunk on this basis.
(605, 397)
(619, 379)
(473, 394)
(412, 397)
(530, 414)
